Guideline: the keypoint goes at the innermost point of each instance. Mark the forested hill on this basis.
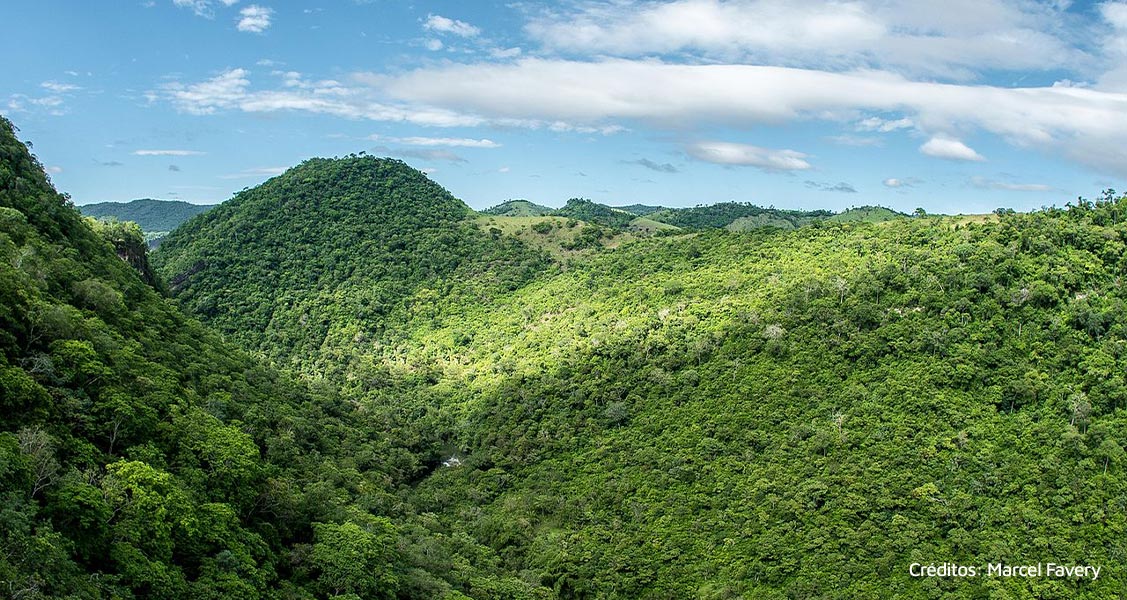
(518, 208)
(129, 435)
(153, 216)
(143, 457)
(329, 251)
(713, 414)
(762, 414)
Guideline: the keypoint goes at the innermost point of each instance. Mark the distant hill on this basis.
(152, 215)
(738, 216)
(641, 210)
(867, 214)
(291, 266)
(582, 209)
(518, 208)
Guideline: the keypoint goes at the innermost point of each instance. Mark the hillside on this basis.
(866, 214)
(641, 210)
(736, 216)
(331, 251)
(156, 217)
(518, 208)
(766, 414)
(582, 209)
(141, 456)
(801, 414)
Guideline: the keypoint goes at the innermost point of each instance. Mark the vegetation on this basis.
(539, 407)
(738, 216)
(143, 456)
(598, 214)
(775, 414)
(642, 209)
(518, 208)
(867, 214)
(309, 263)
(155, 217)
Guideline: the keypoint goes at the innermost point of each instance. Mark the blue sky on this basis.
(954, 106)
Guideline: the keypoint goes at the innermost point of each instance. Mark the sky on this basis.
(960, 106)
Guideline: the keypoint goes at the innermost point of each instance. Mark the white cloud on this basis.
(59, 88)
(1081, 123)
(893, 182)
(992, 184)
(955, 38)
(438, 141)
(222, 91)
(503, 53)
(54, 169)
(230, 90)
(1084, 124)
(1115, 14)
(434, 45)
(443, 24)
(884, 126)
(950, 149)
(728, 153)
(254, 19)
(168, 153)
(47, 101)
(200, 7)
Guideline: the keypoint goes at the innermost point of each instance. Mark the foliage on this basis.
(599, 214)
(151, 215)
(762, 414)
(867, 214)
(738, 216)
(143, 456)
(518, 208)
(330, 251)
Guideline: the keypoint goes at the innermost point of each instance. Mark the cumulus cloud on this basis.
(955, 39)
(254, 19)
(443, 24)
(950, 149)
(893, 182)
(653, 166)
(728, 153)
(168, 153)
(1081, 123)
(230, 90)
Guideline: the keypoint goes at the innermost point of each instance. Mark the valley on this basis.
(345, 381)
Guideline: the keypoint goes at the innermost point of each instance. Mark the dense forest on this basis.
(151, 215)
(389, 396)
(518, 208)
(143, 456)
(156, 218)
